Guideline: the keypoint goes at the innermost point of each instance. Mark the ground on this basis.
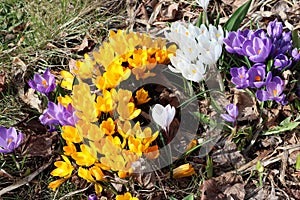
(35, 35)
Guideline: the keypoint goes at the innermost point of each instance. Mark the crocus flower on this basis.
(183, 171)
(240, 77)
(9, 139)
(126, 196)
(281, 62)
(233, 113)
(163, 116)
(274, 89)
(92, 197)
(282, 45)
(296, 54)
(257, 75)
(43, 84)
(235, 40)
(203, 4)
(58, 114)
(274, 29)
(197, 48)
(257, 49)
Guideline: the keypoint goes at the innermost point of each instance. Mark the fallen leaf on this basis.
(228, 157)
(2, 82)
(40, 145)
(226, 186)
(169, 13)
(246, 105)
(19, 62)
(31, 99)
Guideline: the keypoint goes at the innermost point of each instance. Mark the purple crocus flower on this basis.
(43, 84)
(257, 49)
(233, 113)
(92, 197)
(274, 29)
(58, 114)
(9, 139)
(274, 89)
(296, 54)
(257, 75)
(235, 40)
(240, 77)
(281, 61)
(281, 45)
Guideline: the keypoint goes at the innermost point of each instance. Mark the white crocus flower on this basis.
(203, 4)
(216, 34)
(197, 49)
(163, 116)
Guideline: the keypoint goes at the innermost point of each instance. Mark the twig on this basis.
(26, 179)
(76, 192)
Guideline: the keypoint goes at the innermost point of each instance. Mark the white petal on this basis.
(159, 115)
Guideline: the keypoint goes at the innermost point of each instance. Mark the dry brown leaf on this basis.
(226, 186)
(40, 145)
(210, 190)
(228, 157)
(155, 13)
(2, 82)
(170, 13)
(31, 99)
(72, 65)
(19, 62)
(246, 105)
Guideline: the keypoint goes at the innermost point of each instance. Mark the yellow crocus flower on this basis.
(183, 171)
(142, 96)
(70, 133)
(84, 158)
(65, 101)
(64, 168)
(55, 184)
(126, 196)
(67, 81)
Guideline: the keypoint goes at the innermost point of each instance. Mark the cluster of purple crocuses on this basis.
(55, 114)
(261, 47)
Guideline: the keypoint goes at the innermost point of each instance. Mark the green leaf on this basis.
(202, 118)
(209, 167)
(237, 17)
(189, 197)
(285, 125)
(295, 39)
(297, 167)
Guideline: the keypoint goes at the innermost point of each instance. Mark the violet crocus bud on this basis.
(239, 77)
(281, 61)
(232, 115)
(92, 197)
(257, 75)
(296, 54)
(43, 84)
(274, 29)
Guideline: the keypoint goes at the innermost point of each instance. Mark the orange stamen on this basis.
(44, 82)
(275, 93)
(257, 78)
